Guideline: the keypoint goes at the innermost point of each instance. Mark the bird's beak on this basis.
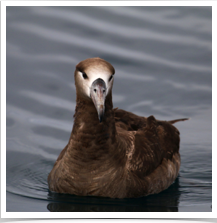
(98, 95)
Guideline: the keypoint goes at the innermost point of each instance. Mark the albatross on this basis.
(111, 152)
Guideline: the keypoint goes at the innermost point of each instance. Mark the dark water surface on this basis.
(162, 57)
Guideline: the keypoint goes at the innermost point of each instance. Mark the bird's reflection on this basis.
(166, 201)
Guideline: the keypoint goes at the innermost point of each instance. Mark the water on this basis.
(162, 57)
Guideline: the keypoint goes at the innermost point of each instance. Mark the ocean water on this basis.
(163, 62)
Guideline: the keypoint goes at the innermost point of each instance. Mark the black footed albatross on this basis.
(111, 152)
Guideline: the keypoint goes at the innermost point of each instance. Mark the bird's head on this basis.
(94, 80)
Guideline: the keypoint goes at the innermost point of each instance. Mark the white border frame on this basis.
(3, 109)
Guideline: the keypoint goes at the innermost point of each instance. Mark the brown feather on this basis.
(124, 156)
(178, 120)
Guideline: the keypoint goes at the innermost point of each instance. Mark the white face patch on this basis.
(92, 75)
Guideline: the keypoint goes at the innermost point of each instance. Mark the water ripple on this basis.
(169, 16)
(72, 39)
(49, 100)
(123, 31)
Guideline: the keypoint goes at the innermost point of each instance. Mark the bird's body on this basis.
(112, 152)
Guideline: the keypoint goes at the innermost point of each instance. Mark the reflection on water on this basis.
(162, 57)
(168, 200)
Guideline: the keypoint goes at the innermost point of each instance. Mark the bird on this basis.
(112, 152)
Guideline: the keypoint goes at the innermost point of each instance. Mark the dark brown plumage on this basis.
(124, 155)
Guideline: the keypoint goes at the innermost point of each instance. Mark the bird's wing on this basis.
(128, 120)
(153, 141)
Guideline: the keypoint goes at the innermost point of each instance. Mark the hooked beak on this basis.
(98, 95)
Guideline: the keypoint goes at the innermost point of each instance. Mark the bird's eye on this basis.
(111, 77)
(84, 75)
